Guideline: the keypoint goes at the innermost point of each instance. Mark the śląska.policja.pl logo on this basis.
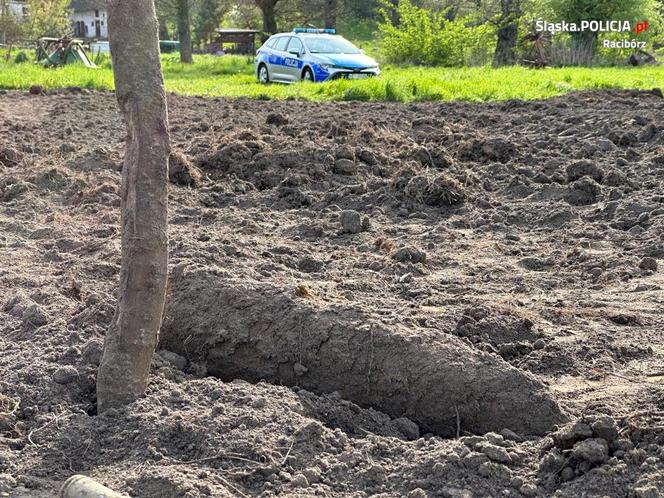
(599, 27)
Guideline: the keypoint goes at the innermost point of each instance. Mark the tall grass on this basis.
(232, 76)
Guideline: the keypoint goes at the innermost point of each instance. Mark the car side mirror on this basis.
(295, 53)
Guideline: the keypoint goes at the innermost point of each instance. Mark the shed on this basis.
(236, 41)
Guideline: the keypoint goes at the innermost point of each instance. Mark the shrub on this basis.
(429, 38)
(21, 57)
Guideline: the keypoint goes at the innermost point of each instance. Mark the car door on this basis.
(277, 58)
(294, 61)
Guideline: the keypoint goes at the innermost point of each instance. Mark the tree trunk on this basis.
(582, 50)
(163, 29)
(269, 18)
(132, 336)
(331, 13)
(394, 13)
(505, 47)
(184, 31)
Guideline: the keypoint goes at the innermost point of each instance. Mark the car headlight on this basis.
(327, 67)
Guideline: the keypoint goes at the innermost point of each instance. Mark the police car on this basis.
(312, 55)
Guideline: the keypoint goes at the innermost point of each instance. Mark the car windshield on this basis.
(330, 45)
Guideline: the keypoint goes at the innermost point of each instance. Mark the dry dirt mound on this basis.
(256, 332)
(526, 235)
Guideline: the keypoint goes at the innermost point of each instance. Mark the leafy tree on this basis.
(243, 14)
(584, 43)
(330, 12)
(132, 336)
(267, 8)
(426, 37)
(48, 18)
(176, 13)
(11, 27)
(208, 17)
(505, 16)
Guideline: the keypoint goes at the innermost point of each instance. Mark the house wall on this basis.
(84, 24)
(19, 9)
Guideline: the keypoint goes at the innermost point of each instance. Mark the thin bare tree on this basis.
(132, 336)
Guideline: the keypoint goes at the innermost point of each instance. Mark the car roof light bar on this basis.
(329, 31)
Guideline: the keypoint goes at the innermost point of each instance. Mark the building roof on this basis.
(87, 5)
(232, 31)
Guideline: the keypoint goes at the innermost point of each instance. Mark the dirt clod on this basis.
(174, 359)
(495, 453)
(285, 331)
(35, 316)
(182, 171)
(591, 450)
(9, 157)
(65, 375)
(605, 427)
(439, 190)
(583, 168)
(410, 254)
(408, 428)
(354, 222)
(649, 264)
(92, 351)
(583, 192)
(345, 167)
(490, 149)
(276, 118)
(36, 90)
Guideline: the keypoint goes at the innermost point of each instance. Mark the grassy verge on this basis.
(232, 76)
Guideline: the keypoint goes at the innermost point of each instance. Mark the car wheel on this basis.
(263, 75)
(307, 75)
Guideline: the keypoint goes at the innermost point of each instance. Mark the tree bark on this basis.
(331, 7)
(163, 29)
(269, 18)
(505, 47)
(132, 336)
(184, 31)
(582, 50)
(508, 33)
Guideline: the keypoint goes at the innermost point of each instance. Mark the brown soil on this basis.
(521, 236)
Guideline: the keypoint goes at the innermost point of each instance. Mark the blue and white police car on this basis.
(311, 54)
